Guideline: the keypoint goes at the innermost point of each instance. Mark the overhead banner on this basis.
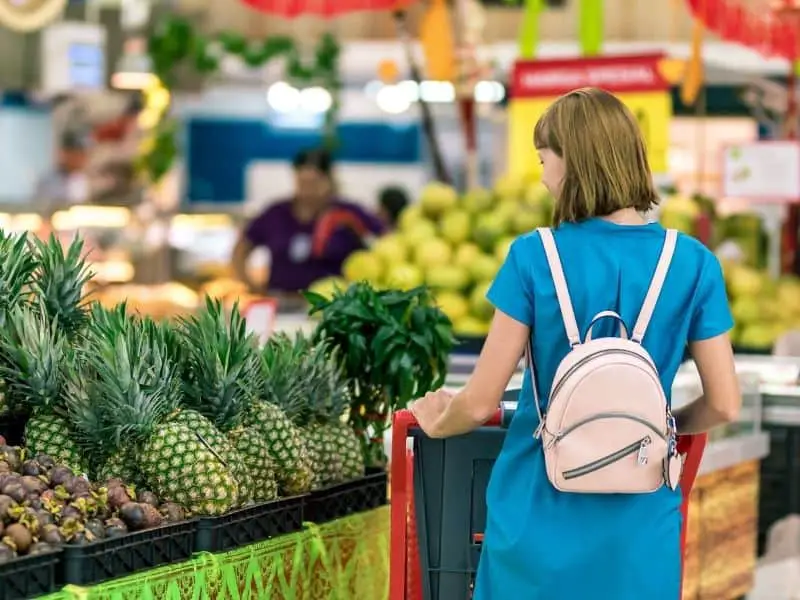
(636, 80)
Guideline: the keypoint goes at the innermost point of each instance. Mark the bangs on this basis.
(544, 138)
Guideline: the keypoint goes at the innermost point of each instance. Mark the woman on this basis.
(542, 544)
(309, 235)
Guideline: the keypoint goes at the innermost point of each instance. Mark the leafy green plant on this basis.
(393, 347)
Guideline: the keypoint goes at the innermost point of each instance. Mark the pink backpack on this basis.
(607, 428)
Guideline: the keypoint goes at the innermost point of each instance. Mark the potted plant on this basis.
(393, 347)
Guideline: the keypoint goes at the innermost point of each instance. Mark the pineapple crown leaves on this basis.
(221, 375)
(59, 281)
(84, 415)
(32, 354)
(396, 341)
(283, 378)
(135, 383)
(17, 264)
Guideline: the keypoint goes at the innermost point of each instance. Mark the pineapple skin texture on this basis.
(122, 466)
(255, 453)
(50, 434)
(217, 440)
(294, 469)
(348, 447)
(179, 468)
(324, 453)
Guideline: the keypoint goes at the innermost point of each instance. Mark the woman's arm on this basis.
(479, 399)
(721, 399)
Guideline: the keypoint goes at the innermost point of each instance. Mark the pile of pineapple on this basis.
(194, 410)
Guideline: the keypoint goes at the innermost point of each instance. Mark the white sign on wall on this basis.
(765, 171)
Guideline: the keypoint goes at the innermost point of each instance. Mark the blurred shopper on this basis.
(309, 235)
(541, 543)
(391, 202)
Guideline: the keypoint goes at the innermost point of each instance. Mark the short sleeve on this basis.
(712, 314)
(512, 289)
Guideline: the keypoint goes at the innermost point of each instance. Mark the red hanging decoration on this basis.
(324, 8)
(734, 22)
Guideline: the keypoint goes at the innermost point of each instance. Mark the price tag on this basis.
(768, 171)
(635, 80)
(261, 315)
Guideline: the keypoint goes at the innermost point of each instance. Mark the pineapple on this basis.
(221, 379)
(58, 284)
(281, 383)
(17, 264)
(333, 445)
(32, 365)
(136, 393)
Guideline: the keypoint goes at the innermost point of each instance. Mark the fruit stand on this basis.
(168, 459)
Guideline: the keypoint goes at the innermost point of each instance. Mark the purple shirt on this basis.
(294, 267)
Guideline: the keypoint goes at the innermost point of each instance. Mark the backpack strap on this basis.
(650, 300)
(562, 292)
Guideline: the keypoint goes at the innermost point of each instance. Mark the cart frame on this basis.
(405, 582)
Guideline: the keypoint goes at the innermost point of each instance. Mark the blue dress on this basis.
(542, 544)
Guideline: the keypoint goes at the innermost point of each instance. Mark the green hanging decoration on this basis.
(175, 44)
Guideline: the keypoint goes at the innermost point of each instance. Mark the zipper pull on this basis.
(539, 429)
(641, 458)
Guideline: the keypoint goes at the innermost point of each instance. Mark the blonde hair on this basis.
(604, 155)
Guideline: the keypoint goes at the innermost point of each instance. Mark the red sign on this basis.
(325, 8)
(616, 74)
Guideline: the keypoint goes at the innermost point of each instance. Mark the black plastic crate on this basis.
(250, 524)
(337, 501)
(12, 427)
(117, 557)
(29, 576)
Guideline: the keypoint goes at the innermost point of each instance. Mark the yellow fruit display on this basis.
(454, 305)
(403, 276)
(362, 265)
(447, 277)
(419, 232)
(432, 252)
(437, 199)
(455, 245)
(327, 286)
(471, 326)
(391, 249)
(456, 227)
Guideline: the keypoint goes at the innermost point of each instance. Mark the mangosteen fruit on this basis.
(70, 512)
(7, 553)
(96, 528)
(4, 467)
(33, 485)
(115, 527)
(15, 491)
(6, 503)
(32, 467)
(40, 548)
(12, 455)
(172, 512)
(47, 461)
(134, 516)
(118, 497)
(51, 534)
(60, 475)
(152, 518)
(77, 486)
(18, 537)
(61, 492)
(147, 497)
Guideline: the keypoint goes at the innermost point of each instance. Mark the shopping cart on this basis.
(438, 509)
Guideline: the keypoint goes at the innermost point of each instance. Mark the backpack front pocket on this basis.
(614, 452)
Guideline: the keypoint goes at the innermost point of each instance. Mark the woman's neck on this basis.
(625, 216)
(305, 213)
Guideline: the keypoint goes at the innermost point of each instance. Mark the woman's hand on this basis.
(428, 409)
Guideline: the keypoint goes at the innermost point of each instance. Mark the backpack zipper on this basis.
(604, 415)
(592, 356)
(639, 447)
